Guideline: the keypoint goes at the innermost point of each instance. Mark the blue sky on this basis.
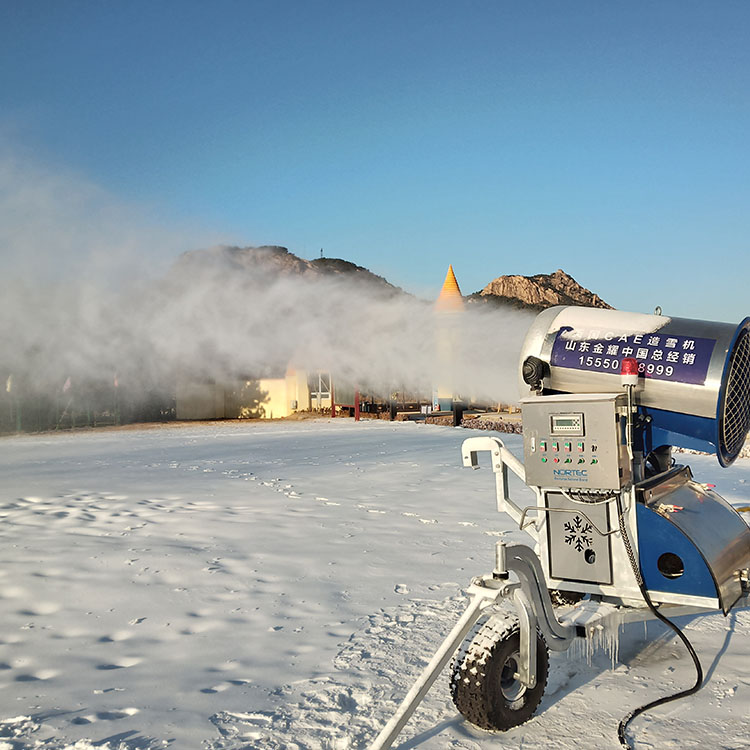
(609, 139)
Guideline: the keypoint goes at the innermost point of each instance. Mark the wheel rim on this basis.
(510, 686)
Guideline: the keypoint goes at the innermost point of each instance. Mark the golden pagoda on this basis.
(447, 343)
(450, 299)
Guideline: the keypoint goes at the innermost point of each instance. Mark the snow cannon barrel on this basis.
(694, 375)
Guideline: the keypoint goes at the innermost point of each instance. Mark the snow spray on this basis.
(81, 298)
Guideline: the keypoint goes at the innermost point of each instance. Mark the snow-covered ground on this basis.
(269, 586)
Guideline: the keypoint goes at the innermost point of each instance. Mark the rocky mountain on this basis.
(266, 261)
(537, 292)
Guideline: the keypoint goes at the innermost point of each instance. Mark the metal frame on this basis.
(623, 586)
(502, 460)
(608, 605)
(323, 391)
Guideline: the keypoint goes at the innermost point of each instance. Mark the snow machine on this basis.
(621, 532)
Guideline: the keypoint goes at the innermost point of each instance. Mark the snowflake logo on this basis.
(578, 533)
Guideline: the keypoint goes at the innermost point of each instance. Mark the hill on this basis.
(267, 261)
(537, 292)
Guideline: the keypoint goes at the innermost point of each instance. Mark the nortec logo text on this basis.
(571, 473)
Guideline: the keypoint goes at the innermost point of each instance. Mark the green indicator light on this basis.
(594, 461)
(544, 459)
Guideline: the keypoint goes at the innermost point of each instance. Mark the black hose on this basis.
(642, 586)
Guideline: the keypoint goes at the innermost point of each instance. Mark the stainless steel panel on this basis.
(711, 524)
(590, 458)
(577, 551)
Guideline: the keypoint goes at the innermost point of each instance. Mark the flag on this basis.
(116, 382)
(67, 385)
(9, 384)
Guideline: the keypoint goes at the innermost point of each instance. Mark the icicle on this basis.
(598, 638)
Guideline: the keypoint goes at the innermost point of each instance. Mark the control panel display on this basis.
(574, 442)
(566, 424)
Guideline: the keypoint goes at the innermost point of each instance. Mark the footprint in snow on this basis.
(116, 637)
(106, 716)
(40, 609)
(220, 688)
(123, 663)
(39, 675)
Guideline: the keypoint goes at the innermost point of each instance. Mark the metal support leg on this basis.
(482, 596)
(527, 621)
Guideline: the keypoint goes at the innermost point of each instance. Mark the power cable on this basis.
(635, 564)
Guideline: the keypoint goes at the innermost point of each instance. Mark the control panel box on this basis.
(575, 441)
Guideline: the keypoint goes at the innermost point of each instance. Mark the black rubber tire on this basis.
(482, 685)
